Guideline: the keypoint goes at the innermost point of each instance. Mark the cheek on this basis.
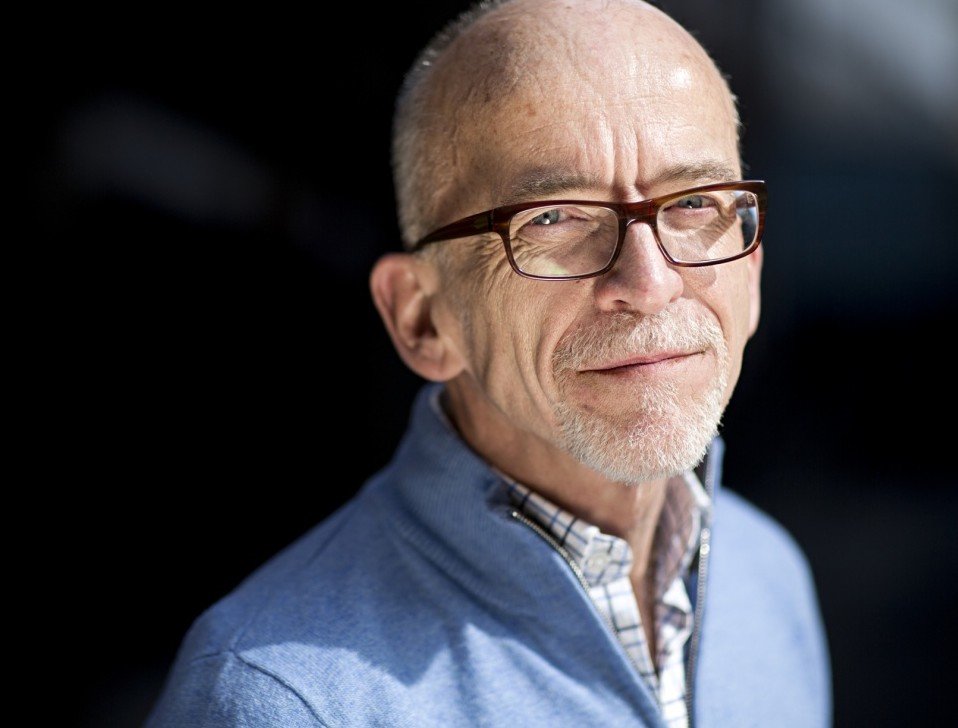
(724, 291)
(734, 317)
(493, 321)
(472, 291)
(511, 328)
(518, 338)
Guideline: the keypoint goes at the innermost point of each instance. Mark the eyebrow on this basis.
(545, 182)
(701, 172)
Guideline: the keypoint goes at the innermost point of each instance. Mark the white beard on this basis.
(666, 433)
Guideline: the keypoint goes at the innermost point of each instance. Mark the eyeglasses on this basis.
(572, 239)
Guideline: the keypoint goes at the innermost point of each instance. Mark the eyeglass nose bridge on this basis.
(642, 212)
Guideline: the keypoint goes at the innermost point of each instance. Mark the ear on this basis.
(754, 262)
(403, 289)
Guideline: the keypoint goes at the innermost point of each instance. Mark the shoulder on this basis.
(754, 553)
(225, 690)
(259, 601)
(263, 645)
(762, 622)
(758, 570)
(750, 523)
(757, 538)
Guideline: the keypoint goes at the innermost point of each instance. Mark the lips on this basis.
(624, 342)
(662, 357)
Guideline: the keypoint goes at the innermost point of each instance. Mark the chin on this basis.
(663, 436)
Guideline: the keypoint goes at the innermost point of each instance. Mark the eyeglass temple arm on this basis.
(468, 226)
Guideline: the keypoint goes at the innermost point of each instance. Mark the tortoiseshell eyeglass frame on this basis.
(499, 219)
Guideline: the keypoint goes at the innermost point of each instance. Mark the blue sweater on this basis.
(422, 602)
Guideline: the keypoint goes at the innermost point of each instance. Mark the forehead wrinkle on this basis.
(545, 182)
(538, 58)
(542, 181)
(708, 171)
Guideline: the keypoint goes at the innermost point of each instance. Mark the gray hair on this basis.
(420, 171)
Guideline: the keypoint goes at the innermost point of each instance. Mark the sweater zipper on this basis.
(547, 537)
(704, 548)
(544, 535)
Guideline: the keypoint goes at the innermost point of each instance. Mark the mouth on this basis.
(644, 362)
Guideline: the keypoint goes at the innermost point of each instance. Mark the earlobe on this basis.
(403, 291)
(754, 289)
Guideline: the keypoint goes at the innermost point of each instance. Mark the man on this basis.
(582, 277)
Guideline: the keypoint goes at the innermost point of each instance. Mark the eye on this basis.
(558, 223)
(693, 202)
(550, 217)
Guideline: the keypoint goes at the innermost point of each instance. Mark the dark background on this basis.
(207, 196)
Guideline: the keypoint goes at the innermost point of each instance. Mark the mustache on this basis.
(623, 334)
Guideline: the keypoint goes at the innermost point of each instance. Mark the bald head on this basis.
(551, 103)
(544, 61)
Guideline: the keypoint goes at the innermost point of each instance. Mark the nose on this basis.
(642, 279)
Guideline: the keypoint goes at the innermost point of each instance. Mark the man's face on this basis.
(627, 372)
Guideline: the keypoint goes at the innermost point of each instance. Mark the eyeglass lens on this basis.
(573, 240)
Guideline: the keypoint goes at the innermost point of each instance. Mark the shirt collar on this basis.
(602, 557)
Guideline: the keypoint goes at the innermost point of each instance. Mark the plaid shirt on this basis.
(606, 562)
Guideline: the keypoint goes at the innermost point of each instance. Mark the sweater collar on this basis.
(454, 506)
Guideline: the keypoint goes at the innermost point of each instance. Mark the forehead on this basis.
(615, 100)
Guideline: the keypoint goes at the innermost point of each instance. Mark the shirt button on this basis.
(597, 561)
